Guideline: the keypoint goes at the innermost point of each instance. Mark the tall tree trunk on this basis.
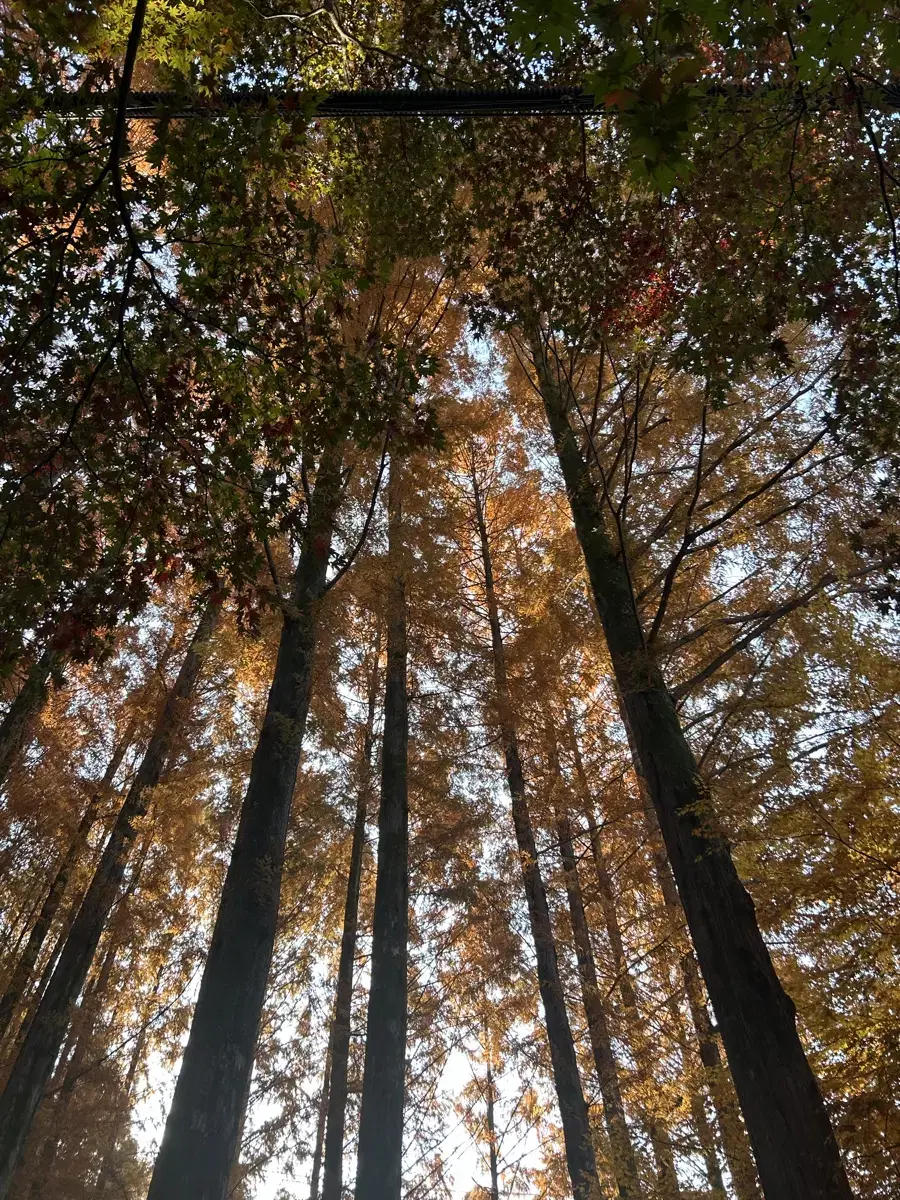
(624, 1161)
(580, 1159)
(202, 1132)
(704, 1130)
(17, 721)
(789, 1127)
(721, 1091)
(378, 1174)
(492, 1134)
(320, 1123)
(41, 1044)
(667, 1186)
(81, 1031)
(105, 1175)
(340, 1029)
(21, 976)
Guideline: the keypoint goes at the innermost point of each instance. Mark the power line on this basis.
(396, 102)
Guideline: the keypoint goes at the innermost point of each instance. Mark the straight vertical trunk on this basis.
(789, 1127)
(17, 721)
(707, 1139)
(320, 1124)
(667, 1187)
(580, 1160)
(624, 1161)
(492, 1135)
(105, 1176)
(21, 976)
(340, 1029)
(378, 1175)
(202, 1133)
(41, 1044)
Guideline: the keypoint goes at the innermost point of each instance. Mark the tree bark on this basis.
(378, 1175)
(332, 1182)
(492, 1135)
(580, 1159)
(16, 723)
(624, 1161)
(320, 1124)
(41, 1044)
(789, 1127)
(201, 1138)
(21, 976)
(667, 1186)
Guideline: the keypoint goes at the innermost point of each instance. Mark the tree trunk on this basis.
(378, 1174)
(41, 1045)
(202, 1132)
(792, 1138)
(667, 1187)
(16, 723)
(624, 1162)
(21, 976)
(340, 1029)
(580, 1160)
(105, 1176)
(734, 1141)
(320, 1123)
(80, 1035)
(492, 1135)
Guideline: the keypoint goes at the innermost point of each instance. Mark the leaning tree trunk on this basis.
(580, 1159)
(21, 976)
(17, 721)
(332, 1182)
(795, 1147)
(202, 1133)
(624, 1160)
(378, 1174)
(42, 1042)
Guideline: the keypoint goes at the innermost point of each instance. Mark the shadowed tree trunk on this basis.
(21, 976)
(41, 1044)
(16, 723)
(202, 1132)
(789, 1127)
(378, 1175)
(580, 1160)
(340, 1029)
(624, 1161)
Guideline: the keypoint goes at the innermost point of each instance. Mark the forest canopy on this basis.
(450, 557)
